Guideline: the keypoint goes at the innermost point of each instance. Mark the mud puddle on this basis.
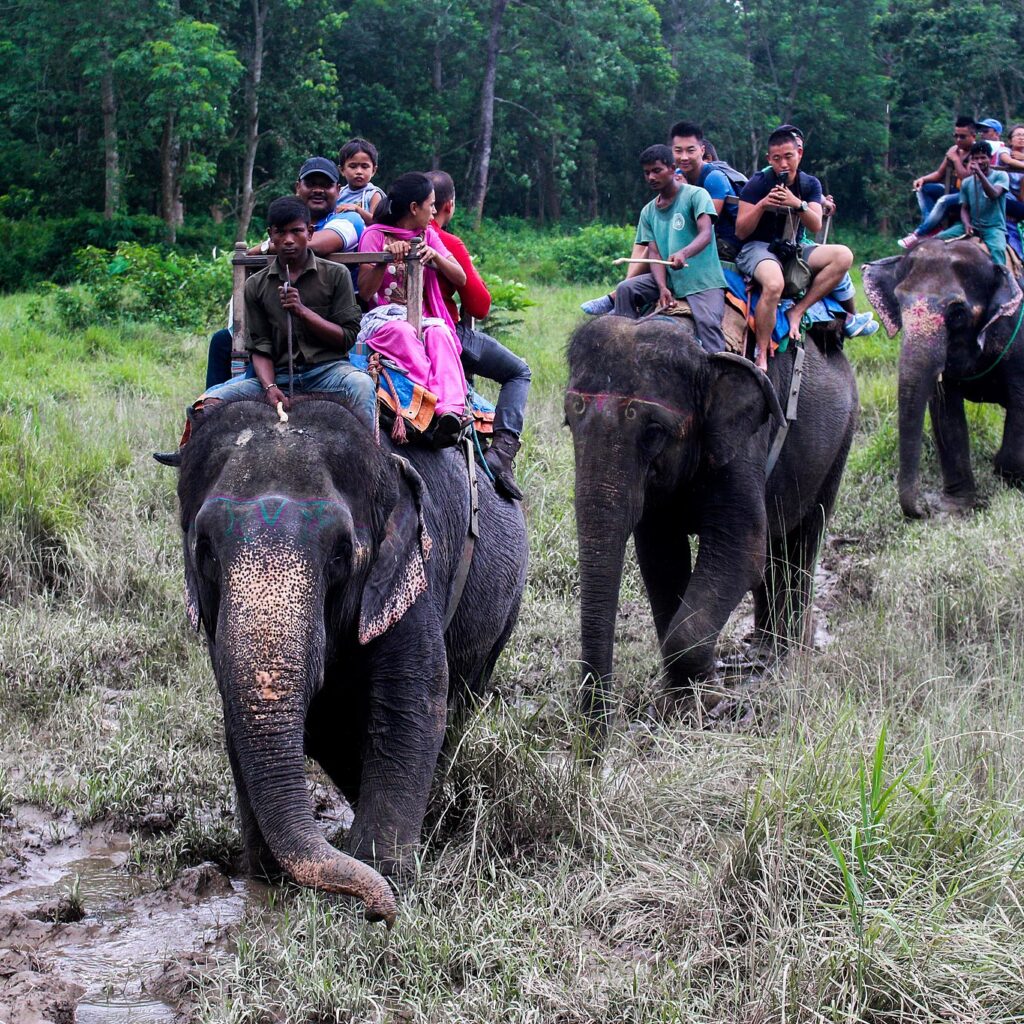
(84, 939)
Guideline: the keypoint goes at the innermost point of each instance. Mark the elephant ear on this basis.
(399, 575)
(880, 280)
(1005, 302)
(742, 398)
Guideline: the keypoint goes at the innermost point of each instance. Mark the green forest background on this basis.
(178, 120)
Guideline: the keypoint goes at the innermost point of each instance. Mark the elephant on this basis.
(959, 313)
(671, 442)
(321, 566)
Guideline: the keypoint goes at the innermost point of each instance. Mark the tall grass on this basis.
(853, 852)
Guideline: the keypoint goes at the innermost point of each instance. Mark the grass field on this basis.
(854, 854)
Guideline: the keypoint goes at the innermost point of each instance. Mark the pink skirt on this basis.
(434, 362)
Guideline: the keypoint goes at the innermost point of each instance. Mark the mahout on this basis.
(671, 442)
(321, 566)
(960, 315)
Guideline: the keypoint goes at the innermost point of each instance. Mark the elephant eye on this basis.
(653, 438)
(958, 316)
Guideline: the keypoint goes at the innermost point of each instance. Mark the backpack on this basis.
(736, 178)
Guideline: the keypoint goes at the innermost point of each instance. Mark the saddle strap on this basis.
(791, 407)
(466, 561)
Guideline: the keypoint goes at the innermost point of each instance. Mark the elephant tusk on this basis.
(281, 414)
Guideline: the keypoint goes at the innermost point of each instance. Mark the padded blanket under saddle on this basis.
(416, 403)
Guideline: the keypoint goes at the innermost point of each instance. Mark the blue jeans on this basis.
(218, 360)
(944, 205)
(928, 195)
(482, 355)
(338, 376)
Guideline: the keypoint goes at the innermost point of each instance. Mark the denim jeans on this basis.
(218, 360)
(928, 195)
(944, 205)
(482, 355)
(338, 376)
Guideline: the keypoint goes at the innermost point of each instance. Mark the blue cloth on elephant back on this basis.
(483, 410)
(823, 311)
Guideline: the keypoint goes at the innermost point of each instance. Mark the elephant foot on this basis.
(262, 865)
(914, 508)
(1011, 475)
(956, 505)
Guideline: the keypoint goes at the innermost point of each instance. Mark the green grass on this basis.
(854, 854)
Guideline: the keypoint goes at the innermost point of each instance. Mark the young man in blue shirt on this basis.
(688, 151)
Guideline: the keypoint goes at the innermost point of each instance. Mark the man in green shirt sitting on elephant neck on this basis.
(678, 223)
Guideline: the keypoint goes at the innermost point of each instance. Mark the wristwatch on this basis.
(803, 206)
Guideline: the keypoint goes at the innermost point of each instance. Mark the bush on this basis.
(507, 299)
(141, 283)
(34, 250)
(587, 256)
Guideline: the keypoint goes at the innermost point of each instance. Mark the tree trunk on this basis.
(170, 157)
(111, 160)
(437, 81)
(260, 9)
(483, 166)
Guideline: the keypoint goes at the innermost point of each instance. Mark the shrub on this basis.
(141, 283)
(507, 299)
(587, 256)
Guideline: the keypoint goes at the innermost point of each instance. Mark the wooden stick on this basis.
(624, 259)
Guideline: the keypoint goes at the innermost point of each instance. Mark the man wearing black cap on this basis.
(318, 186)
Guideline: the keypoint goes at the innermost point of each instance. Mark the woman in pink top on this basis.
(434, 362)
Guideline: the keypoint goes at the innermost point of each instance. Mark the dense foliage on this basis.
(183, 105)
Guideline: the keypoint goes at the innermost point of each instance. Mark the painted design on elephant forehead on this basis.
(604, 398)
(922, 318)
(244, 514)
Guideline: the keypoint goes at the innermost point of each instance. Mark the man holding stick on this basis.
(677, 228)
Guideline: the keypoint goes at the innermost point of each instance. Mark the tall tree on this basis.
(188, 75)
(478, 187)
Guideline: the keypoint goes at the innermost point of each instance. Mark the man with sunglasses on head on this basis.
(936, 204)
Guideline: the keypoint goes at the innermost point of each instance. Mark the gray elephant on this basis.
(321, 567)
(670, 443)
(960, 316)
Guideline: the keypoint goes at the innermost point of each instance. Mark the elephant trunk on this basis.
(609, 502)
(269, 661)
(922, 359)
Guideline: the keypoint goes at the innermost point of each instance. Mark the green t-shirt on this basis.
(675, 226)
(985, 212)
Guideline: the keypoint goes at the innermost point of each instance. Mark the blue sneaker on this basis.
(595, 307)
(860, 325)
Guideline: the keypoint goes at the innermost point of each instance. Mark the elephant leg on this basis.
(259, 861)
(663, 552)
(408, 712)
(335, 727)
(949, 425)
(730, 561)
(1009, 460)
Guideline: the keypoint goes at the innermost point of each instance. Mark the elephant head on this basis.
(649, 412)
(957, 310)
(294, 534)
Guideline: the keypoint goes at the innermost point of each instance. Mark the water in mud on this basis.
(128, 949)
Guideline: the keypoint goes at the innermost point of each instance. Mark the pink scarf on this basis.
(433, 301)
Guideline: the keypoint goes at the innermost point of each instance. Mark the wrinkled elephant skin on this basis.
(671, 443)
(959, 314)
(320, 565)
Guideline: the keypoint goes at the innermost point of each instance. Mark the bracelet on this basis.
(272, 384)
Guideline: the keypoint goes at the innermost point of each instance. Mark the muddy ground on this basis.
(88, 936)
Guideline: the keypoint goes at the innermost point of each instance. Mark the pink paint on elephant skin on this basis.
(923, 320)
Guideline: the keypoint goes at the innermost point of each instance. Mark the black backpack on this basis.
(736, 178)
